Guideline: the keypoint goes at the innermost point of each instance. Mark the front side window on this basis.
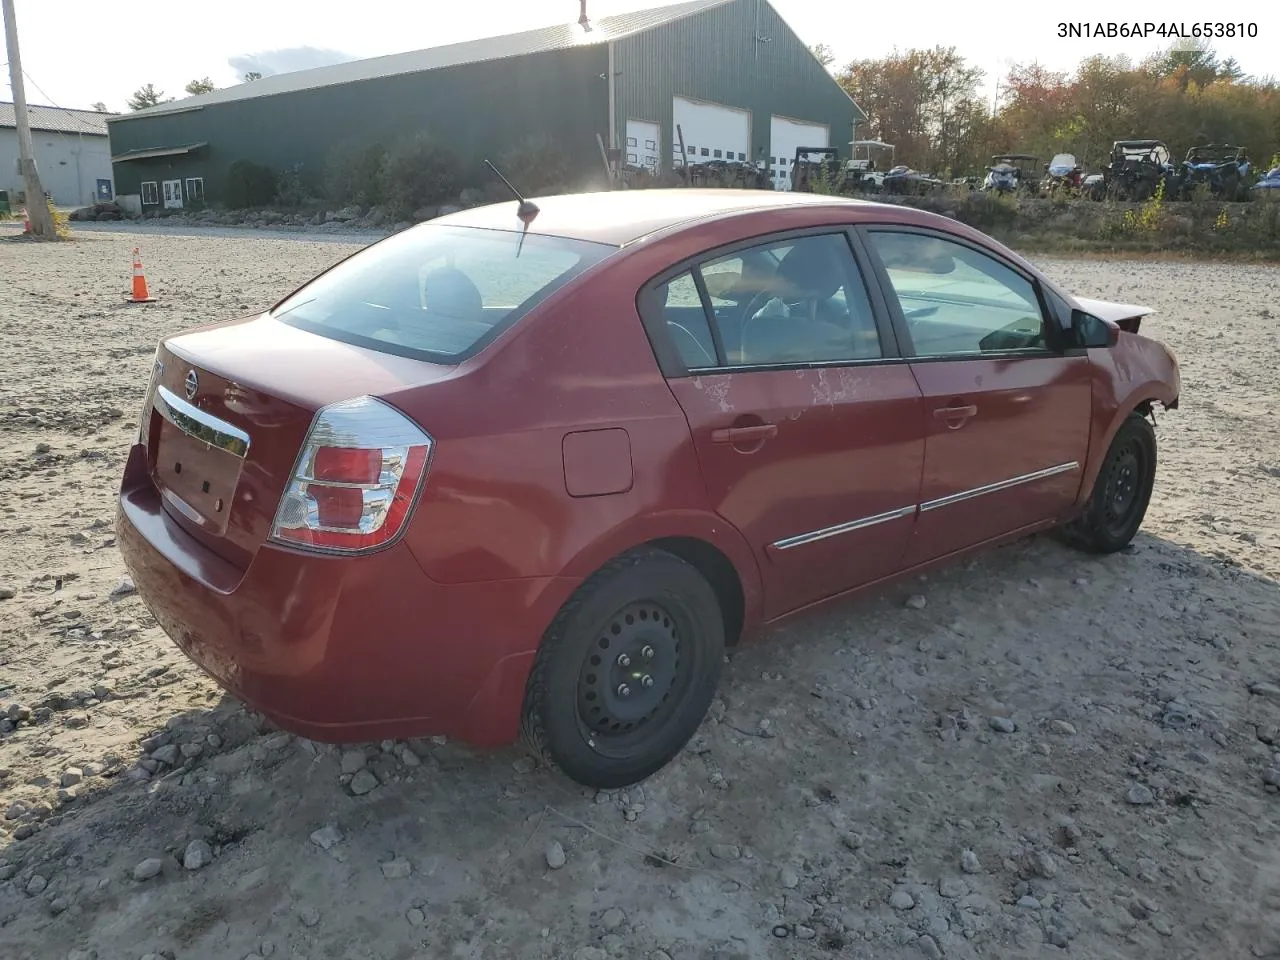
(437, 293)
(957, 301)
(801, 300)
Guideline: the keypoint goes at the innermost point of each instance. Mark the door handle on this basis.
(956, 413)
(751, 434)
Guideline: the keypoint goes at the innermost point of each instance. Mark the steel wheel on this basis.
(1116, 508)
(1120, 497)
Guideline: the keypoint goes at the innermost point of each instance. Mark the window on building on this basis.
(706, 152)
(718, 154)
(150, 191)
(195, 189)
(741, 155)
(631, 141)
(692, 150)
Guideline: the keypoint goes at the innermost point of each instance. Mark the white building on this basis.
(72, 154)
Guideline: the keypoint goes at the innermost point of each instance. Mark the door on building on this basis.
(172, 194)
(711, 131)
(642, 147)
(785, 137)
(104, 190)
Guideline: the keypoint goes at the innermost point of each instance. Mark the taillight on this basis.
(356, 480)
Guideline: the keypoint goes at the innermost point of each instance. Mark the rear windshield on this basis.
(437, 293)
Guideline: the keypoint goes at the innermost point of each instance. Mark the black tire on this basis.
(660, 613)
(1120, 496)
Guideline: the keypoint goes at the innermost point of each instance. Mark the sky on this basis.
(74, 59)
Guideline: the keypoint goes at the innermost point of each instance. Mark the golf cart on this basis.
(1013, 173)
(862, 172)
(1222, 167)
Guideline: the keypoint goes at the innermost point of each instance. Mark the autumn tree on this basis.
(145, 96)
(203, 85)
(826, 56)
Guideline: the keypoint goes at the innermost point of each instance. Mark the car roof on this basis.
(620, 217)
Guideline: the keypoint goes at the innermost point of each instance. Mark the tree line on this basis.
(927, 103)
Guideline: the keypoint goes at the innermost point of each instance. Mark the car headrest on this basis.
(449, 291)
(811, 270)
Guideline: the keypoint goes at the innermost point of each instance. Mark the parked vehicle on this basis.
(1013, 173)
(1222, 168)
(815, 165)
(1268, 185)
(534, 467)
(1065, 176)
(863, 173)
(903, 180)
(1094, 186)
(1138, 167)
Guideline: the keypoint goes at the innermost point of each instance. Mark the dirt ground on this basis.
(851, 795)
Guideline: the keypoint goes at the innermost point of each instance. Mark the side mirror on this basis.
(1091, 331)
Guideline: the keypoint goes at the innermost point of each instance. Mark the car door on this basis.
(808, 429)
(1007, 401)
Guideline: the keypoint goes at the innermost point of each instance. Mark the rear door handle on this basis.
(759, 431)
(956, 413)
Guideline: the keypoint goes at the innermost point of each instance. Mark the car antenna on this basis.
(527, 209)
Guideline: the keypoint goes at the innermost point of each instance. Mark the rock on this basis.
(929, 947)
(415, 917)
(7, 871)
(901, 900)
(1140, 908)
(309, 915)
(1140, 795)
(148, 868)
(523, 764)
(168, 754)
(953, 888)
(916, 602)
(198, 854)
(353, 760)
(7, 593)
(590, 953)
(277, 741)
(191, 750)
(1272, 777)
(6, 725)
(805, 933)
(363, 782)
(408, 757)
(970, 863)
(725, 851)
(1268, 690)
(71, 776)
(555, 855)
(1029, 903)
(789, 878)
(1062, 727)
(1044, 865)
(396, 869)
(1002, 725)
(612, 919)
(125, 588)
(36, 885)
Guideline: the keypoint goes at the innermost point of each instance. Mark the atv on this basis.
(1013, 173)
(1137, 169)
(1223, 168)
(1066, 176)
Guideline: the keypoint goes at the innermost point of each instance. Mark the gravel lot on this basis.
(1053, 753)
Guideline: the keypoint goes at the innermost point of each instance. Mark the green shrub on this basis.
(418, 172)
(353, 174)
(536, 165)
(250, 185)
(292, 189)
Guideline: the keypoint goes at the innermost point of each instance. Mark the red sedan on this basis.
(484, 479)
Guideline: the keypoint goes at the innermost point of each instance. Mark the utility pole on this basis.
(42, 227)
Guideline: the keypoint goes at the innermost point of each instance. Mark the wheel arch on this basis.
(1141, 401)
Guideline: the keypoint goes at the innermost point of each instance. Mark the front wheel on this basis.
(626, 671)
(1118, 504)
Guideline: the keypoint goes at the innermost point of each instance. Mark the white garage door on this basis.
(785, 136)
(643, 138)
(711, 131)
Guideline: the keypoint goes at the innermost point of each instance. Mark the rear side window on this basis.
(437, 293)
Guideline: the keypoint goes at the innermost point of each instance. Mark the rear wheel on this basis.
(1121, 493)
(626, 671)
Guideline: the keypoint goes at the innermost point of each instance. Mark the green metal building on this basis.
(727, 76)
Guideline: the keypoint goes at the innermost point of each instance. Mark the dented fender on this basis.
(1133, 372)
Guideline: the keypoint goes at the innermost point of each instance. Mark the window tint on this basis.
(436, 292)
(798, 301)
(687, 321)
(956, 300)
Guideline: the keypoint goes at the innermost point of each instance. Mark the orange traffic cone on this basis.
(140, 292)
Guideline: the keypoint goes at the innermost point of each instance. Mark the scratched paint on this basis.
(717, 390)
(836, 386)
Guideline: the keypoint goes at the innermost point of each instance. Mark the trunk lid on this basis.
(228, 411)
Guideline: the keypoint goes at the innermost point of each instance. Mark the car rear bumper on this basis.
(340, 649)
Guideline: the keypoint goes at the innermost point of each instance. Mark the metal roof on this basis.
(57, 120)
(559, 37)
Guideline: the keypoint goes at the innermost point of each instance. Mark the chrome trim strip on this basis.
(194, 422)
(802, 539)
(996, 487)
